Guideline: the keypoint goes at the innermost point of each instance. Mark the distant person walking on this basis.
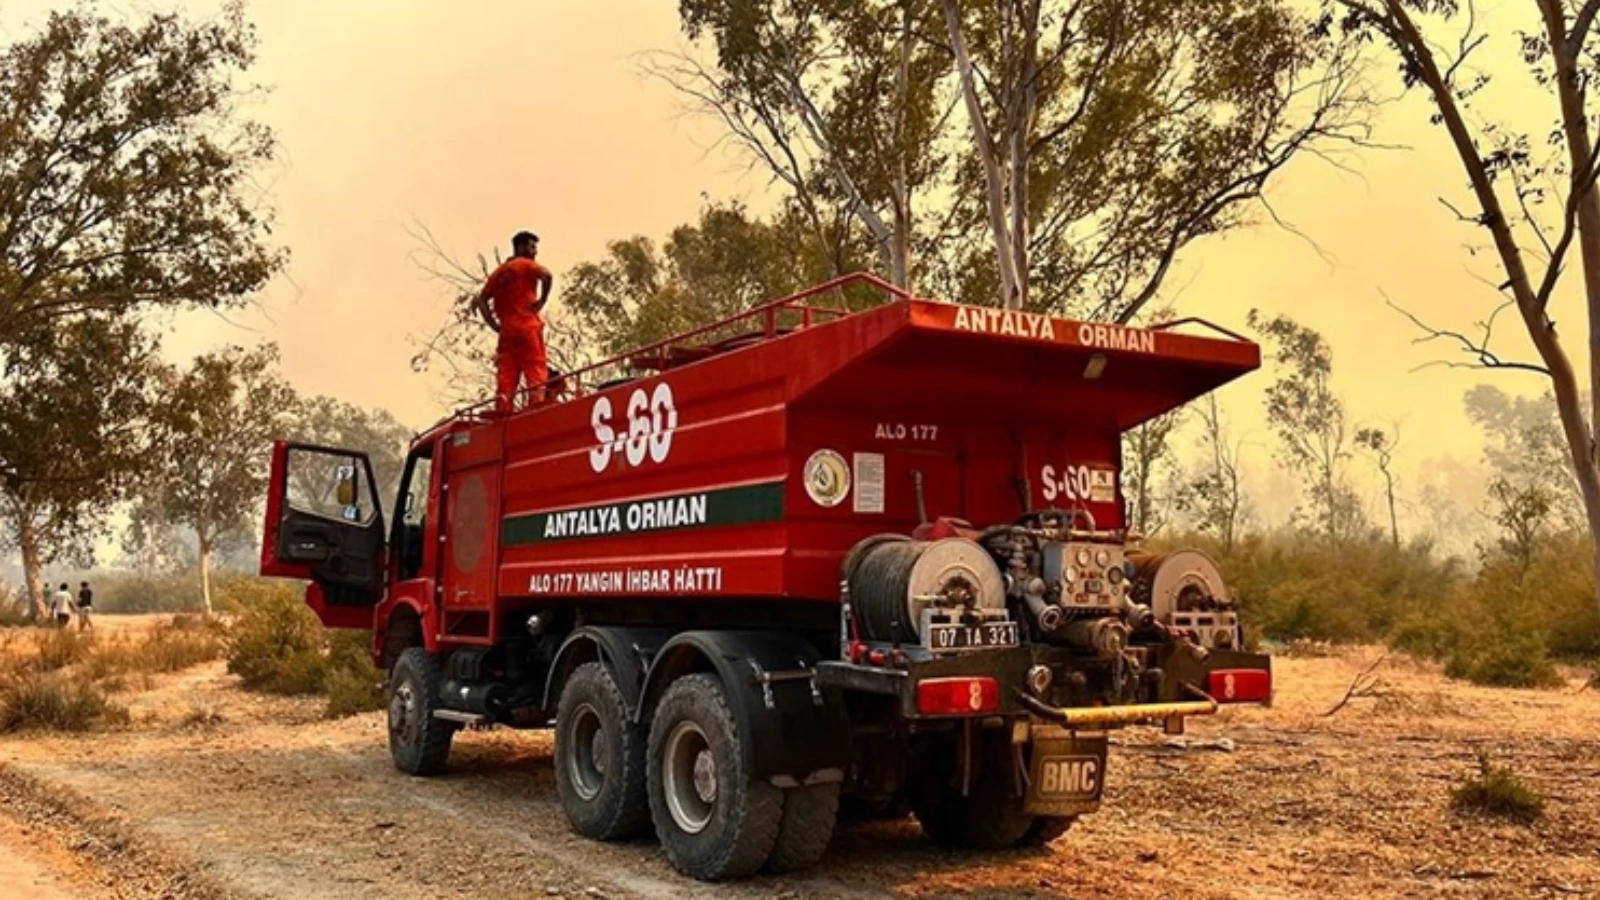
(519, 289)
(85, 606)
(61, 606)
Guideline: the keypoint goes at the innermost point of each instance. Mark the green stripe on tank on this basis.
(746, 505)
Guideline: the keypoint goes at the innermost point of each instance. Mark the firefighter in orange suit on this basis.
(510, 303)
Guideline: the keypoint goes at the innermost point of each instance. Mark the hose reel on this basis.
(892, 579)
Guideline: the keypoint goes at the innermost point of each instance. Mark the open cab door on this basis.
(324, 525)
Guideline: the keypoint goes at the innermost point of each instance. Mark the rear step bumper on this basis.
(1107, 716)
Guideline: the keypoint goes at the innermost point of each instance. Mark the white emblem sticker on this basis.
(827, 478)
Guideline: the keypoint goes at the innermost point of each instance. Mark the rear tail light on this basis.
(957, 696)
(1240, 685)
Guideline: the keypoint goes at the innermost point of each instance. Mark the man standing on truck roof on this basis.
(519, 289)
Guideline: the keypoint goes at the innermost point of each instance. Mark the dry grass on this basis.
(56, 701)
(62, 679)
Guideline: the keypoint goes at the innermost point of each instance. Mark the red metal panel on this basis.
(471, 520)
(692, 482)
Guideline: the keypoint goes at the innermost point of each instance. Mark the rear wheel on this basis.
(1046, 829)
(418, 742)
(989, 817)
(714, 821)
(809, 815)
(599, 758)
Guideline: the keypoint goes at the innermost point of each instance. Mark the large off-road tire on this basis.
(1047, 829)
(809, 814)
(989, 817)
(418, 742)
(712, 818)
(854, 808)
(599, 758)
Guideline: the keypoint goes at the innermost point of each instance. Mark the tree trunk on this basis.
(902, 173)
(1021, 129)
(1394, 521)
(1581, 434)
(994, 180)
(32, 567)
(205, 576)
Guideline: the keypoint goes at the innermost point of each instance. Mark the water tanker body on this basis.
(877, 559)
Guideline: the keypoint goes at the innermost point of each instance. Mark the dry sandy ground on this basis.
(271, 801)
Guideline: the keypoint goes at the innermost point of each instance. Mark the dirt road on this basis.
(216, 793)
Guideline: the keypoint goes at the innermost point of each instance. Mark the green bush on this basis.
(1293, 585)
(56, 701)
(277, 646)
(352, 691)
(1497, 792)
(1504, 625)
(1515, 661)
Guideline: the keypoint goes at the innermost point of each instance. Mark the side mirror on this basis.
(347, 488)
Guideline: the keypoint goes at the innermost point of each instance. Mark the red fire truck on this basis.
(840, 563)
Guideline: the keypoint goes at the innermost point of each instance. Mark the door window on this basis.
(331, 485)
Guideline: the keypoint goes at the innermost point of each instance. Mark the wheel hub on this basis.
(403, 718)
(705, 776)
(689, 777)
(586, 767)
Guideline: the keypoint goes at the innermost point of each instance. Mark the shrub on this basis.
(1515, 661)
(1497, 792)
(59, 648)
(352, 691)
(1297, 586)
(178, 645)
(56, 701)
(276, 645)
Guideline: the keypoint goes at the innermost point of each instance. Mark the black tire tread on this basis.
(431, 754)
(743, 852)
(629, 816)
(988, 818)
(809, 816)
(1046, 829)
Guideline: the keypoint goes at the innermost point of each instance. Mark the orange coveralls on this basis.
(521, 352)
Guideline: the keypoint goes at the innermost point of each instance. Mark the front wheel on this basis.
(714, 821)
(418, 742)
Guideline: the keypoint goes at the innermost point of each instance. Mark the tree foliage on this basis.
(216, 423)
(1214, 497)
(722, 265)
(74, 405)
(124, 172)
(1309, 420)
(1101, 136)
(1525, 448)
(1510, 174)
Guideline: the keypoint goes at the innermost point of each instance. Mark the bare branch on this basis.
(1485, 358)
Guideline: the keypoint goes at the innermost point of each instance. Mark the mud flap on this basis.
(1066, 772)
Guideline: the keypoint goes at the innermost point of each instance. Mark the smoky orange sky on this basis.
(479, 118)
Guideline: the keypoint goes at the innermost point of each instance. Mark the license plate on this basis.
(972, 637)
